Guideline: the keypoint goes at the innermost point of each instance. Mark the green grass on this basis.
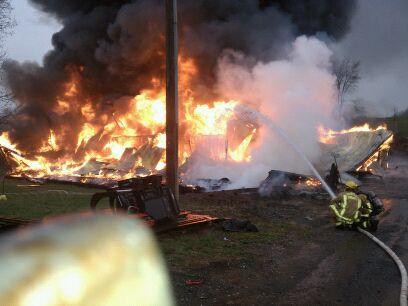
(25, 200)
(215, 245)
(399, 125)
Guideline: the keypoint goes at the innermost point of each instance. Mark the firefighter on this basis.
(333, 179)
(351, 209)
(377, 207)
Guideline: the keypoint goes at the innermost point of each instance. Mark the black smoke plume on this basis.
(115, 49)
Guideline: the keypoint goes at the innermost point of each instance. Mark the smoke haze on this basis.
(296, 92)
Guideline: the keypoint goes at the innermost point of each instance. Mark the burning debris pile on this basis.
(356, 149)
(281, 184)
(119, 151)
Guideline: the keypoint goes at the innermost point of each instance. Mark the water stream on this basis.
(246, 111)
(249, 112)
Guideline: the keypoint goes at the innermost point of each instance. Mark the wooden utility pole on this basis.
(172, 97)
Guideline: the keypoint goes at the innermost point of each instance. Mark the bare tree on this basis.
(7, 23)
(347, 74)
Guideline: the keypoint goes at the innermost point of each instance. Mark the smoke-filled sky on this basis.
(114, 48)
(378, 38)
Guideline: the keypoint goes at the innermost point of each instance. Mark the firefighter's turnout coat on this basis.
(351, 209)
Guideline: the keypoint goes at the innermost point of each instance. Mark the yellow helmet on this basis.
(351, 184)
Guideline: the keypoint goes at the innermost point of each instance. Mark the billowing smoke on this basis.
(296, 92)
(116, 48)
(243, 50)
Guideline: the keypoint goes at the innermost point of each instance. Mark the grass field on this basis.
(399, 125)
(31, 201)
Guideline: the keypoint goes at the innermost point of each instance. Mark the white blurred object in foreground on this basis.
(86, 260)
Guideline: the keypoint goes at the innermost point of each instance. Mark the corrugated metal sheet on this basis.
(352, 149)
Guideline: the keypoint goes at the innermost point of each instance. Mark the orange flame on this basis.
(240, 153)
(122, 142)
(327, 136)
(383, 149)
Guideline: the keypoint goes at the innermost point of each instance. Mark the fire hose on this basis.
(398, 262)
(246, 111)
(395, 258)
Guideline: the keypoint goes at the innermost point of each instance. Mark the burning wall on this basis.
(296, 92)
(99, 95)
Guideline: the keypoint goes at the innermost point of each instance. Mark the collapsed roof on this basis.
(352, 150)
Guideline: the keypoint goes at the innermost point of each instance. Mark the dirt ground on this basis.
(296, 258)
